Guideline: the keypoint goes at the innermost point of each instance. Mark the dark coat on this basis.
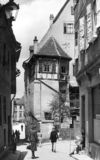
(53, 136)
(33, 140)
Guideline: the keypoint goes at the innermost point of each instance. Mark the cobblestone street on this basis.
(44, 152)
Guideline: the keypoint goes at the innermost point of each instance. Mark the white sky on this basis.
(32, 20)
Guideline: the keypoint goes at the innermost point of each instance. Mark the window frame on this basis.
(47, 67)
(68, 28)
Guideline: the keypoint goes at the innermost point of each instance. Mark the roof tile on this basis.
(52, 48)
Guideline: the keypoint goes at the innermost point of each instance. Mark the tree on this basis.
(60, 107)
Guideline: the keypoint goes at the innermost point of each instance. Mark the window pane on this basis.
(70, 28)
(47, 116)
(65, 28)
(63, 69)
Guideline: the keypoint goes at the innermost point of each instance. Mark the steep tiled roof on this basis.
(53, 49)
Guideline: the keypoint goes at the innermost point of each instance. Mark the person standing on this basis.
(33, 141)
(53, 138)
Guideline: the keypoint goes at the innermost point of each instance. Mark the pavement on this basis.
(9, 155)
(81, 157)
(44, 151)
(63, 149)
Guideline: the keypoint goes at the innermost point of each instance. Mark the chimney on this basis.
(31, 49)
(51, 18)
(35, 41)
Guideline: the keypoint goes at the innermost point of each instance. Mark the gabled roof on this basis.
(61, 10)
(52, 49)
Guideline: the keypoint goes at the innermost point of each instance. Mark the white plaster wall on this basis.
(43, 96)
(56, 30)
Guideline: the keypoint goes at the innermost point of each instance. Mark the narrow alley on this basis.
(44, 152)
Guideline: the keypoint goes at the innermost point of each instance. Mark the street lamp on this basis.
(11, 10)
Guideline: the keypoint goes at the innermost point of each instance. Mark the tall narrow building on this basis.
(46, 74)
(87, 71)
(9, 55)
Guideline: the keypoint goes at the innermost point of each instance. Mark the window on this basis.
(76, 38)
(63, 69)
(47, 66)
(68, 28)
(47, 116)
(65, 29)
(21, 127)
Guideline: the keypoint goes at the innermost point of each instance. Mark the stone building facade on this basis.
(62, 29)
(87, 70)
(9, 55)
(46, 73)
